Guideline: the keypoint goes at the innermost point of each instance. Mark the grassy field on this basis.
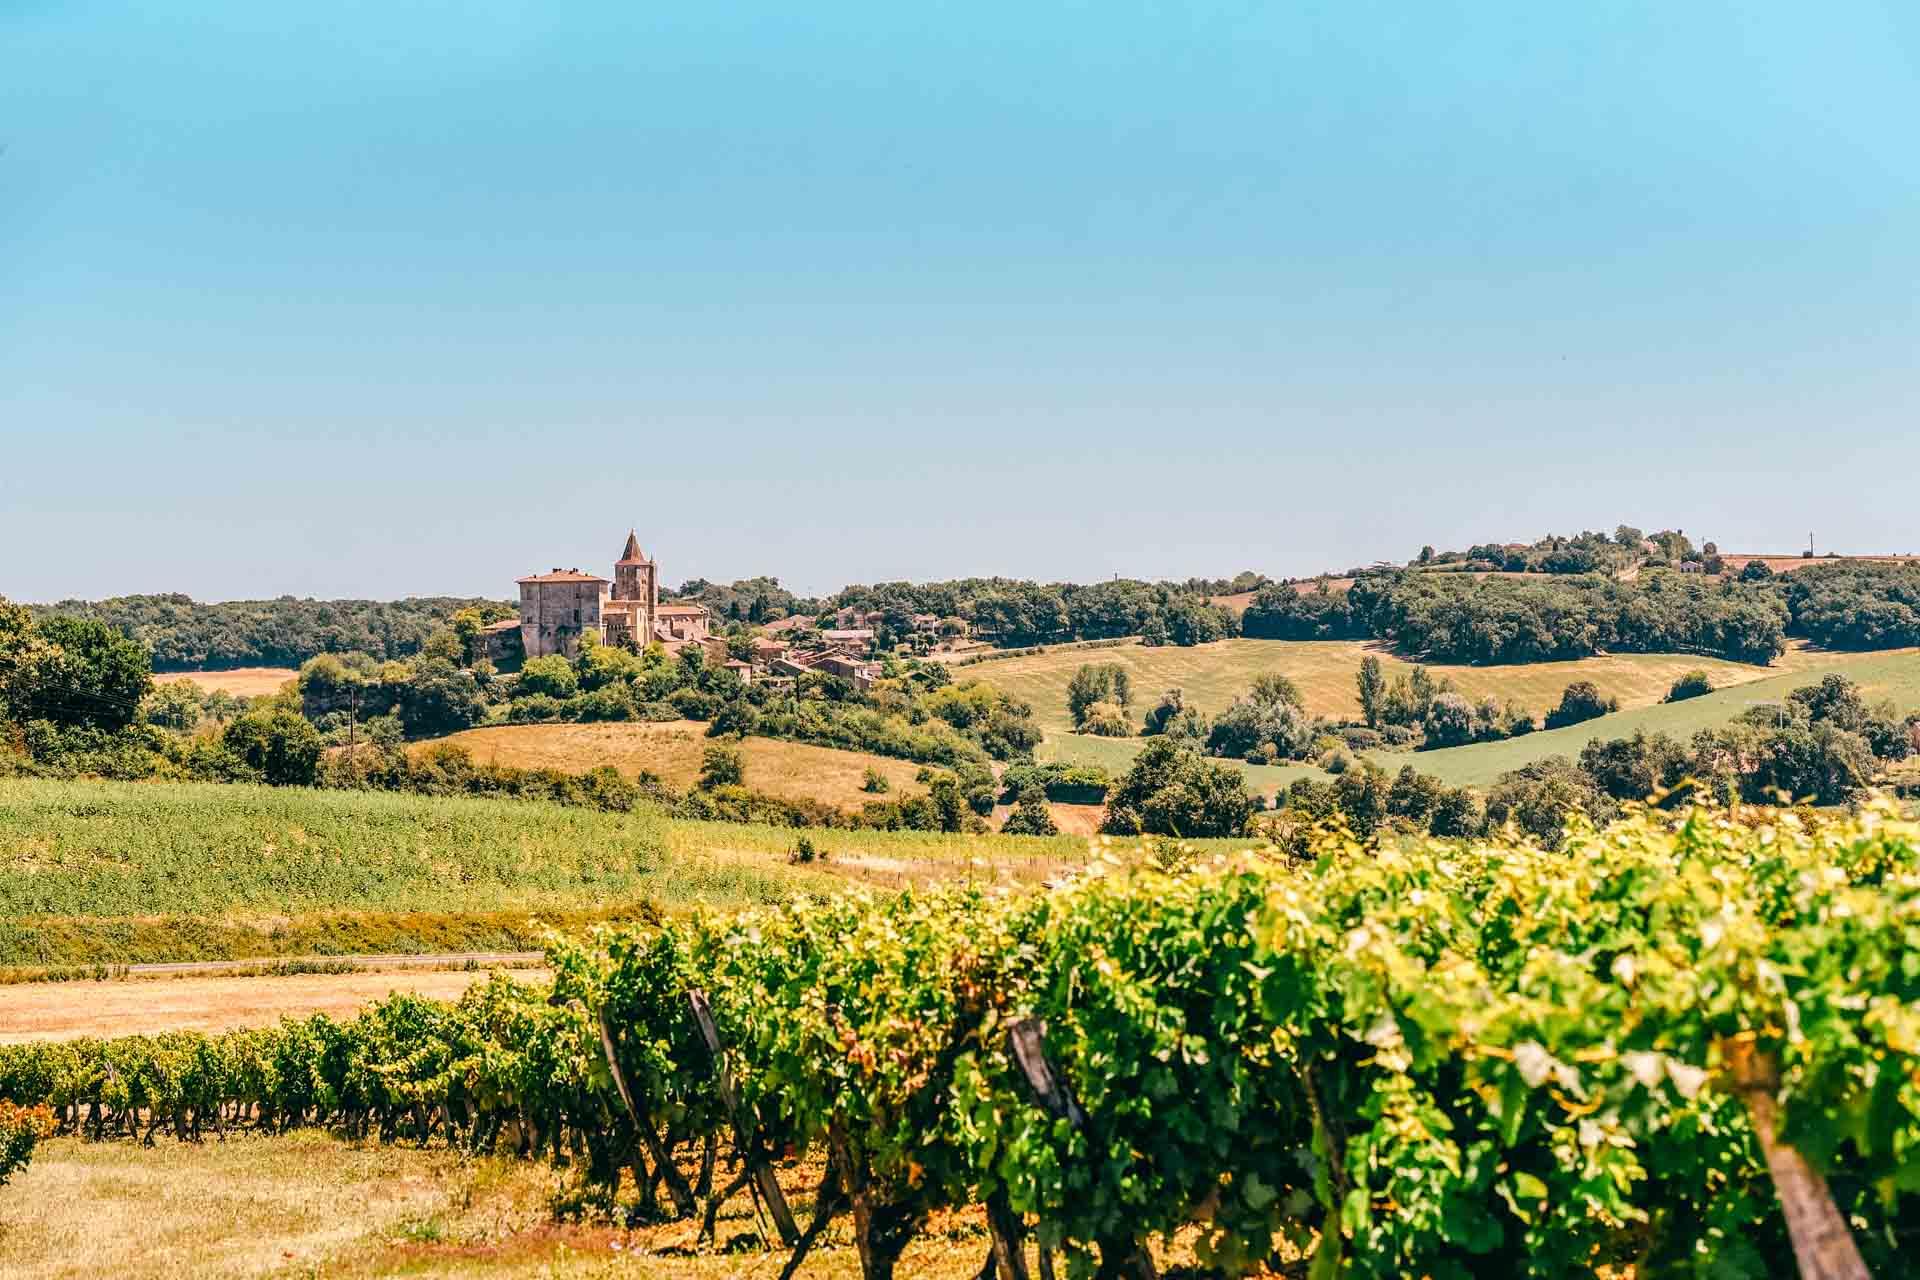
(1638, 680)
(1115, 755)
(672, 750)
(312, 1205)
(241, 682)
(1895, 676)
(105, 872)
(1212, 675)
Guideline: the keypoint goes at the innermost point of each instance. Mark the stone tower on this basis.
(634, 577)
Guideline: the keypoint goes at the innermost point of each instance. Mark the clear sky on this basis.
(409, 296)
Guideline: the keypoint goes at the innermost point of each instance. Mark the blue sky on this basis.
(374, 299)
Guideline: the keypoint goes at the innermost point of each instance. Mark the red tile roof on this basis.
(562, 575)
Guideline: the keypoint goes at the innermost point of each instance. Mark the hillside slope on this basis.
(672, 751)
(1212, 675)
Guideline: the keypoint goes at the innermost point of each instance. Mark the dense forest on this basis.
(1462, 618)
(184, 634)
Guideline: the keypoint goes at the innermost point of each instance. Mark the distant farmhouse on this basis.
(559, 607)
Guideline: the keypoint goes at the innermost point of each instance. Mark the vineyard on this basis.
(1431, 1060)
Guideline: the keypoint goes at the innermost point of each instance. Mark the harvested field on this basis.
(672, 751)
(146, 1006)
(1789, 563)
(241, 682)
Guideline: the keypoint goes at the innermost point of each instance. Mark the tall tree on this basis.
(1373, 686)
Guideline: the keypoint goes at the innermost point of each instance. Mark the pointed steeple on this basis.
(633, 554)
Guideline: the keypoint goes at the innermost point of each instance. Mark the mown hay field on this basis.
(114, 873)
(241, 682)
(150, 1005)
(1212, 675)
(672, 750)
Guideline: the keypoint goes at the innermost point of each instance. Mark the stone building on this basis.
(559, 607)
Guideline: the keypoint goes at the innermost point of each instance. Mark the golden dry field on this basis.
(312, 1205)
(672, 751)
(147, 1006)
(1212, 675)
(241, 682)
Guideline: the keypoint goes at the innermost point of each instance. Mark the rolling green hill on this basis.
(1888, 675)
(1212, 675)
(1895, 676)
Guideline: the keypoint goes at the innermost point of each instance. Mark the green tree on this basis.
(174, 705)
(1272, 689)
(1579, 702)
(1450, 721)
(552, 675)
(439, 697)
(1162, 713)
(1692, 684)
(1171, 790)
(1102, 682)
(722, 766)
(1373, 687)
(85, 674)
(1030, 816)
(278, 744)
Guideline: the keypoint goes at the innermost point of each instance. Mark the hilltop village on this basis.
(559, 607)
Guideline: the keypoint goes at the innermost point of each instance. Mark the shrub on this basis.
(1691, 685)
(721, 766)
(552, 676)
(1402, 736)
(875, 782)
(1450, 721)
(1030, 816)
(1106, 720)
(279, 745)
(610, 703)
(536, 709)
(1582, 701)
(1360, 739)
(691, 704)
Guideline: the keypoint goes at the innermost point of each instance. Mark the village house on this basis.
(557, 608)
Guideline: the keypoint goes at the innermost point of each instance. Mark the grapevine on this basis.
(1437, 1059)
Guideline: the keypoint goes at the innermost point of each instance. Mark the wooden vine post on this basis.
(1822, 1245)
(746, 1133)
(1026, 1045)
(662, 1158)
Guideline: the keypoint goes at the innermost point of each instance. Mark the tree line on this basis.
(183, 634)
(77, 698)
(1747, 618)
